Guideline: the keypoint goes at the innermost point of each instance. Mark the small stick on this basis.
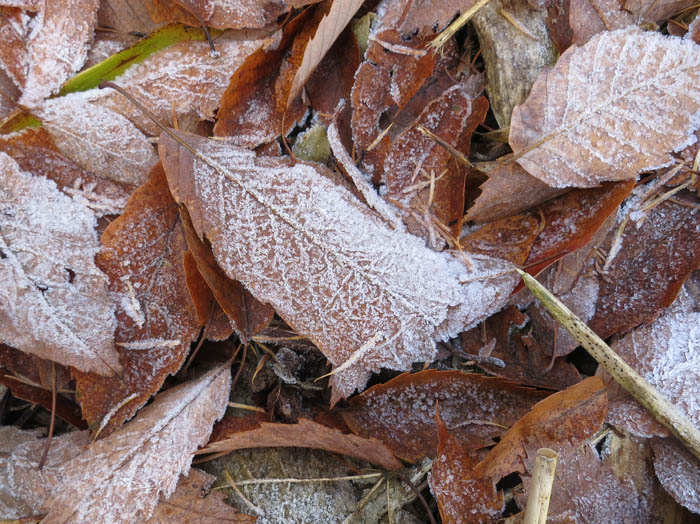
(541, 487)
(643, 392)
(441, 39)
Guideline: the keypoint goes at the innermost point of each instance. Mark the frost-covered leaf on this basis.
(143, 256)
(305, 434)
(120, 478)
(98, 139)
(54, 300)
(607, 110)
(182, 79)
(238, 14)
(194, 502)
(367, 295)
(125, 16)
(57, 46)
(14, 29)
(400, 412)
(678, 471)
(336, 16)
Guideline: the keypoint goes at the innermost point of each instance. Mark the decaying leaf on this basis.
(66, 27)
(305, 434)
(98, 139)
(143, 256)
(400, 412)
(14, 29)
(54, 300)
(120, 478)
(609, 117)
(678, 471)
(367, 295)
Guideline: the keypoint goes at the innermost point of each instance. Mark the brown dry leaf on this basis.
(181, 80)
(420, 14)
(143, 255)
(525, 360)
(55, 302)
(608, 118)
(508, 238)
(305, 434)
(508, 191)
(678, 471)
(125, 16)
(98, 139)
(571, 220)
(367, 295)
(194, 502)
(120, 478)
(57, 46)
(400, 412)
(221, 14)
(246, 314)
(589, 17)
(450, 479)
(667, 354)
(304, 60)
(14, 29)
(11, 92)
(249, 112)
(34, 150)
(650, 264)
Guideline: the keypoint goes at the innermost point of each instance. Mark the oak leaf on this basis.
(367, 295)
(54, 301)
(609, 117)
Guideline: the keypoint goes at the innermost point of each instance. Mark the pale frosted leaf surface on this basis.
(120, 478)
(328, 30)
(609, 109)
(12, 505)
(53, 298)
(367, 295)
(183, 78)
(57, 46)
(221, 14)
(667, 354)
(28, 486)
(98, 139)
(193, 502)
(678, 471)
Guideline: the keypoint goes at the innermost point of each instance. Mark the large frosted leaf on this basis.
(53, 298)
(369, 296)
(120, 478)
(609, 109)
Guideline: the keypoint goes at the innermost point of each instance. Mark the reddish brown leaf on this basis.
(450, 481)
(247, 315)
(305, 434)
(400, 412)
(571, 220)
(248, 111)
(143, 253)
(653, 261)
(217, 13)
(508, 238)
(13, 52)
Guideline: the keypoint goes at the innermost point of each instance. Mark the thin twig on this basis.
(53, 416)
(541, 487)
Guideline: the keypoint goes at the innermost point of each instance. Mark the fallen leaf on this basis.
(420, 14)
(143, 256)
(305, 434)
(449, 480)
(587, 121)
(221, 14)
(194, 501)
(678, 471)
(14, 29)
(400, 413)
(125, 16)
(247, 315)
(336, 16)
(329, 255)
(98, 139)
(509, 238)
(120, 478)
(54, 301)
(57, 46)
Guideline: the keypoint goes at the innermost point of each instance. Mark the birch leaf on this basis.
(367, 295)
(57, 46)
(98, 139)
(607, 110)
(54, 301)
(120, 478)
